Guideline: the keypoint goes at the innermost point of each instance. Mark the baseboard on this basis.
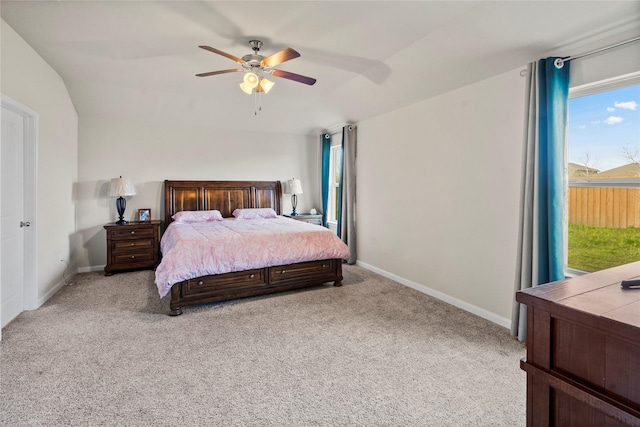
(480, 312)
(91, 269)
(56, 288)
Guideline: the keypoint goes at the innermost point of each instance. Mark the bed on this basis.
(227, 196)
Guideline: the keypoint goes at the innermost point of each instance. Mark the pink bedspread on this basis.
(215, 247)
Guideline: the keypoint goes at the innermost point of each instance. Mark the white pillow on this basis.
(254, 213)
(187, 217)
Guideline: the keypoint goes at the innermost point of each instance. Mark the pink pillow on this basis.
(186, 217)
(254, 213)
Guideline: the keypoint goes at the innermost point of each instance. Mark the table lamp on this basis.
(294, 187)
(120, 188)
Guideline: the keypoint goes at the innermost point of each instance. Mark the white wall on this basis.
(438, 191)
(150, 153)
(28, 79)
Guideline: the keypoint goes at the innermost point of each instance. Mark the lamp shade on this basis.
(121, 187)
(294, 186)
(246, 89)
(251, 80)
(266, 85)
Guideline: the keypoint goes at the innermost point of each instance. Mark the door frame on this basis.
(30, 139)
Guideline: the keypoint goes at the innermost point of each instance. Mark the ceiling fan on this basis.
(257, 66)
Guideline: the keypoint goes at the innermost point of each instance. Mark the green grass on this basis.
(596, 248)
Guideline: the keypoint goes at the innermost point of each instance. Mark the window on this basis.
(603, 154)
(335, 170)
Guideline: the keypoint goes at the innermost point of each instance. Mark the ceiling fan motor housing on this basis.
(255, 45)
(251, 58)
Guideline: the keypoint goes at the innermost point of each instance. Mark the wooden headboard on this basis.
(226, 196)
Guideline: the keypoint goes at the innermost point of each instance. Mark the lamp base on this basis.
(294, 204)
(121, 204)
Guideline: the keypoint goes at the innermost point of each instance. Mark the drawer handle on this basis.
(200, 282)
(284, 271)
(133, 232)
(133, 256)
(133, 244)
(252, 276)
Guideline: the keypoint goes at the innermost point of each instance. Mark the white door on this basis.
(12, 216)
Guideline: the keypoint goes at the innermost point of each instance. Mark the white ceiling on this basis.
(138, 59)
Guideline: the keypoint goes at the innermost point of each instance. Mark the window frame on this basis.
(588, 89)
(334, 186)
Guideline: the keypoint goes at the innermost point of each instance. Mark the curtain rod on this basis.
(559, 62)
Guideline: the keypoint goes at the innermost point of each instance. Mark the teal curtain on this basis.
(325, 144)
(541, 246)
(552, 124)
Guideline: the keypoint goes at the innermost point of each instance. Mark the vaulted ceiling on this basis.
(138, 59)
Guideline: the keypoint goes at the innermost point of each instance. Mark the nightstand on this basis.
(310, 218)
(133, 245)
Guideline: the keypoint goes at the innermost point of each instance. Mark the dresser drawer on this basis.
(128, 233)
(312, 269)
(225, 282)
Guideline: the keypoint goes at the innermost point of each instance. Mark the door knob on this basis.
(24, 224)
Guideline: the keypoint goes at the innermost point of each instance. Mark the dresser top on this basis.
(596, 294)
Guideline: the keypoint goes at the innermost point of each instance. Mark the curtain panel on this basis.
(541, 245)
(347, 207)
(325, 147)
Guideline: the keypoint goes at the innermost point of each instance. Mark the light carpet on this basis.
(103, 352)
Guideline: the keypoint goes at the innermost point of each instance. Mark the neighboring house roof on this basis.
(631, 170)
(575, 169)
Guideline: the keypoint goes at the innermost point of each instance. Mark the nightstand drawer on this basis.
(120, 246)
(128, 233)
(133, 258)
(313, 221)
(310, 218)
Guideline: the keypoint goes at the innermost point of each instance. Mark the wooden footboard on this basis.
(224, 287)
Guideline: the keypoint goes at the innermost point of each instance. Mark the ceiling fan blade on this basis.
(280, 57)
(213, 73)
(293, 76)
(219, 52)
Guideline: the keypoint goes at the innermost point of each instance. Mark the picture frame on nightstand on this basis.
(144, 215)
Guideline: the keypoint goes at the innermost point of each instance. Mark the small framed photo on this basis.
(144, 214)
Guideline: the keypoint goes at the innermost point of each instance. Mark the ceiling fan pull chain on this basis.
(255, 103)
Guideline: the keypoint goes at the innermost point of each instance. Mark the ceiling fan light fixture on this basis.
(255, 66)
(245, 88)
(266, 85)
(251, 80)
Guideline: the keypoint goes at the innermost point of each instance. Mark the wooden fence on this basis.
(613, 207)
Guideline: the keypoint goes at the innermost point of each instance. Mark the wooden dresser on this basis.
(583, 350)
(133, 245)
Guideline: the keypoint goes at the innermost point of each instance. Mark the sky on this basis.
(601, 126)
